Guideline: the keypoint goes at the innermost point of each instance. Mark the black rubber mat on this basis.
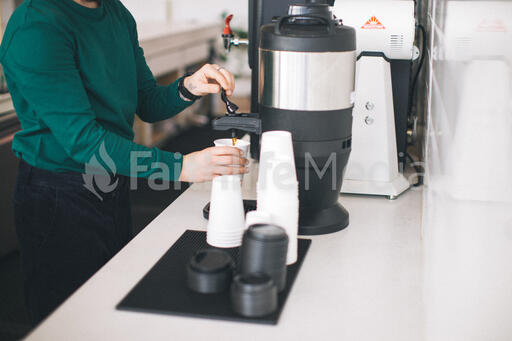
(163, 289)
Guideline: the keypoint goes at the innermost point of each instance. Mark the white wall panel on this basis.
(467, 220)
(197, 10)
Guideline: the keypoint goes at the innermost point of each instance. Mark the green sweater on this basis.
(77, 76)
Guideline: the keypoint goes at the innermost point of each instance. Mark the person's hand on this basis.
(211, 162)
(209, 79)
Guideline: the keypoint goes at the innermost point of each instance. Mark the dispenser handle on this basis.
(328, 23)
(231, 107)
(227, 25)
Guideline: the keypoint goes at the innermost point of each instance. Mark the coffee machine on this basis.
(303, 78)
(385, 33)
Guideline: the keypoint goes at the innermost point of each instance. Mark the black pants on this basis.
(65, 232)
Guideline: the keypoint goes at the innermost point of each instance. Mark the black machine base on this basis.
(332, 219)
(329, 220)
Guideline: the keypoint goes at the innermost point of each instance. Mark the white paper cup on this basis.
(283, 208)
(287, 217)
(277, 190)
(276, 143)
(240, 144)
(277, 173)
(277, 187)
(226, 219)
(257, 217)
(277, 183)
(275, 199)
(223, 243)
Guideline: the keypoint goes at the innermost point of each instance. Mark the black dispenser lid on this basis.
(308, 28)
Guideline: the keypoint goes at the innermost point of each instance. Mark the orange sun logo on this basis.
(373, 23)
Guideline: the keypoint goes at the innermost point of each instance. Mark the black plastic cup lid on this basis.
(253, 295)
(264, 250)
(210, 261)
(266, 233)
(210, 271)
(252, 283)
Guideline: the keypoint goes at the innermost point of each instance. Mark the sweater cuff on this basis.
(182, 103)
(175, 163)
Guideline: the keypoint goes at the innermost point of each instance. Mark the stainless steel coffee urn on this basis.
(306, 63)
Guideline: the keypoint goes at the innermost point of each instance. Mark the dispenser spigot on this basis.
(250, 123)
(228, 38)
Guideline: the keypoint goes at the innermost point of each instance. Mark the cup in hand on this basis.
(240, 144)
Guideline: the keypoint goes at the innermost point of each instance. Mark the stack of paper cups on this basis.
(276, 143)
(240, 144)
(277, 188)
(226, 221)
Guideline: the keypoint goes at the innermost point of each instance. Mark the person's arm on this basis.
(157, 102)
(40, 60)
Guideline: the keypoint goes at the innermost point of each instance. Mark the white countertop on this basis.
(363, 283)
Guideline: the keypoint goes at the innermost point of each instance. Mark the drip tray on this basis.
(164, 289)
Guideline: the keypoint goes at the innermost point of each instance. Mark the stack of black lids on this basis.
(264, 249)
(262, 271)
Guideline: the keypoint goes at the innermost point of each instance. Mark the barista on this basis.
(77, 75)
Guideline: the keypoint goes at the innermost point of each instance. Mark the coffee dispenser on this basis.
(305, 85)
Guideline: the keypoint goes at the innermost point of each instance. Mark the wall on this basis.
(467, 220)
(176, 11)
(212, 10)
(6, 8)
(179, 10)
